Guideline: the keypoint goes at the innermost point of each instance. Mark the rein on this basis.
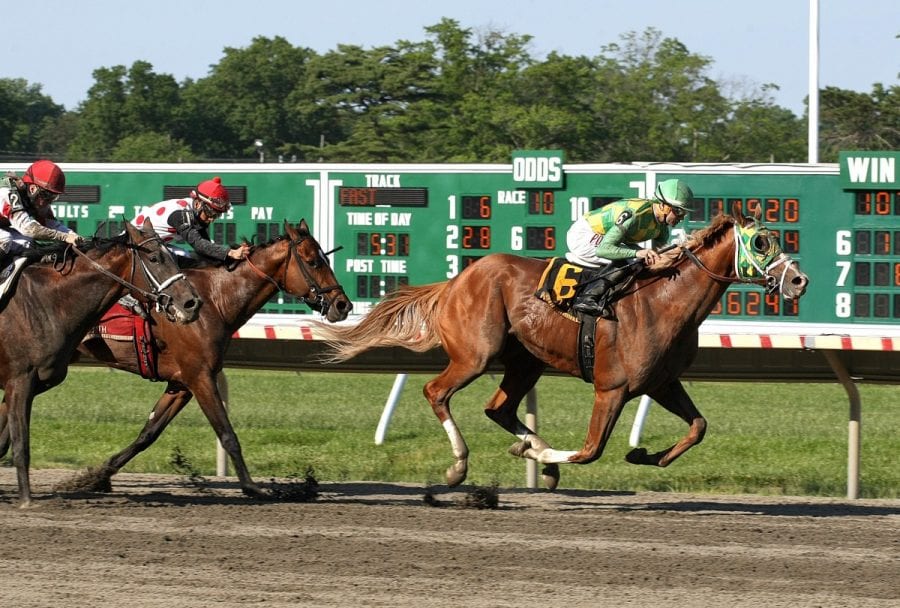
(159, 299)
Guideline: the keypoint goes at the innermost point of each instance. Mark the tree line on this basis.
(457, 96)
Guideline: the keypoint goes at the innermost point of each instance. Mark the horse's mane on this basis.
(711, 234)
(703, 237)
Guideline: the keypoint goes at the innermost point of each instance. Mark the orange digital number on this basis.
(791, 210)
(549, 238)
(484, 237)
(548, 203)
(733, 303)
(754, 205)
(773, 210)
(882, 242)
(897, 275)
(390, 244)
(484, 207)
(753, 300)
(882, 202)
(790, 241)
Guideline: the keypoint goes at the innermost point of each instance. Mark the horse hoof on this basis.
(638, 456)
(518, 449)
(550, 474)
(456, 474)
(255, 491)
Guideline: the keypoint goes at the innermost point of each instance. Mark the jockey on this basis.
(187, 221)
(25, 213)
(611, 235)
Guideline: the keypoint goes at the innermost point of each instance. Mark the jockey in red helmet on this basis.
(25, 212)
(187, 221)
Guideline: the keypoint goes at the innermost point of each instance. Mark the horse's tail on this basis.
(406, 318)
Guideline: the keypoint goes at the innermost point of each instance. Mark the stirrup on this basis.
(589, 306)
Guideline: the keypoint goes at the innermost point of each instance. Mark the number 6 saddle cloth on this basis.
(562, 281)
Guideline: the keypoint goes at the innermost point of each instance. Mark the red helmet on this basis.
(47, 175)
(213, 193)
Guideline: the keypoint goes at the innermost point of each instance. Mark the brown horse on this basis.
(191, 356)
(55, 304)
(489, 313)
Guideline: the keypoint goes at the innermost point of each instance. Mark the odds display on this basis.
(417, 224)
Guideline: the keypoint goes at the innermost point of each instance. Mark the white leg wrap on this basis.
(460, 449)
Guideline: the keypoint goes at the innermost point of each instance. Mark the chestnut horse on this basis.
(191, 356)
(489, 313)
(55, 304)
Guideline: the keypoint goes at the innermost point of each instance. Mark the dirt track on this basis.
(159, 541)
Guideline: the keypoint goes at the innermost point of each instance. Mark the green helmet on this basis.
(674, 192)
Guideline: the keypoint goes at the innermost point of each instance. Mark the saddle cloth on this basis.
(124, 325)
(559, 283)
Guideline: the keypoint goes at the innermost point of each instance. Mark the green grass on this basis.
(763, 438)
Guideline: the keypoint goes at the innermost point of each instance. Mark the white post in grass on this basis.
(634, 440)
(221, 456)
(396, 390)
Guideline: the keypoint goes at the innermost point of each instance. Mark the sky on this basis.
(750, 42)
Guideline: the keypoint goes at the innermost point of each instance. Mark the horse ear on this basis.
(290, 231)
(738, 213)
(130, 230)
(304, 227)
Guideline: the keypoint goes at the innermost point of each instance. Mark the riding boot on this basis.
(589, 301)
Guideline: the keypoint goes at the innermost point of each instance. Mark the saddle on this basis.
(127, 321)
(561, 282)
(8, 277)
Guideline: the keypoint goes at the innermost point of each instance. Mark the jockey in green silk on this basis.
(611, 235)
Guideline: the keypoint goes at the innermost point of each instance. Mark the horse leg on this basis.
(18, 395)
(438, 392)
(4, 429)
(675, 399)
(210, 400)
(167, 407)
(521, 372)
(607, 408)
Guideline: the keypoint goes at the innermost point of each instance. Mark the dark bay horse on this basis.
(191, 356)
(489, 313)
(55, 304)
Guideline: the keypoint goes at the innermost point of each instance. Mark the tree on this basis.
(123, 103)
(250, 94)
(24, 111)
(100, 127)
(850, 120)
(151, 148)
(658, 102)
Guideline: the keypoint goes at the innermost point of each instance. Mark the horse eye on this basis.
(154, 259)
(760, 243)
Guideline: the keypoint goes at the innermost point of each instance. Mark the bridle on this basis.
(315, 298)
(161, 300)
(766, 275)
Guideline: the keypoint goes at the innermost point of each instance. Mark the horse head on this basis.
(306, 273)
(163, 284)
(759, 258)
